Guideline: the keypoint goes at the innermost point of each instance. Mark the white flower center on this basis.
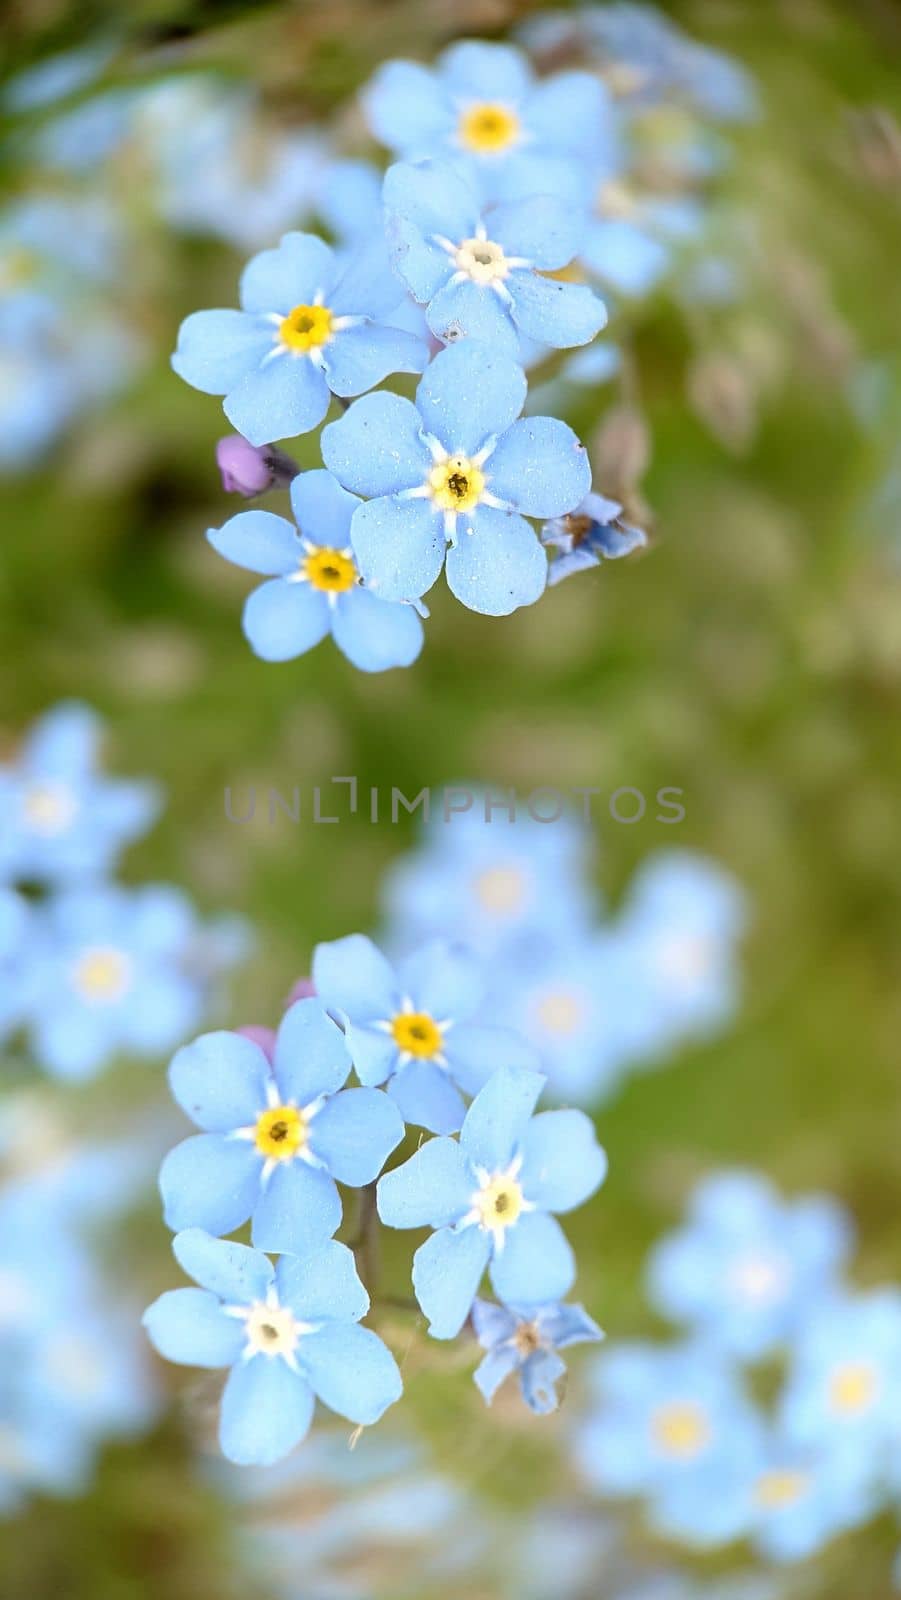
(482, 260)
(48, 808)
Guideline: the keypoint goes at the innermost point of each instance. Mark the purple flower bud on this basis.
(257, 1034)
(250, 469)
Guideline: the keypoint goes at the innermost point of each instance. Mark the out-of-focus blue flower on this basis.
(629, 239)
(747, 1268)
(289, 1333)
(490, 1198)
(413, 1027)
(61, 819)
(525, 1340)
(504, 884)
(481, 106)
(113, 976)
(482, 273)
(672, 1424)
(456, 468)
(592, 533)
(800, 1499)
(843, 1391)
(311, 326)
(348, 199)
(275, 1137)
(313, 583)
(18, 956)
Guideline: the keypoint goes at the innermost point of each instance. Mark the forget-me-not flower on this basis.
(592, 533)
(311, 325)
(747, 1267)
(456, 469)
(413, 1028)
(289, 1333)
(61, 818)
(481, 106)
(275, 1137)
(489, 1198)
(525, 1340)
(481, 273)
(798, 1499)
(843, 1391)
(313, 583)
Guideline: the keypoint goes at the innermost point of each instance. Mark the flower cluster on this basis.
(281, 1130)
(751, 1278)
(89, 967)
(595, 999)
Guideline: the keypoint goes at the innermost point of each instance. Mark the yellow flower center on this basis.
(527, 1338)
(487, 127)
(417, 1034)
(852, 1388)
(330, 570)
(48, 807)
(780, 1488)
(271, 1330)
(456, 484)
(561, 1012)
(280, 1133)
(306, 328)
(102, 974)
(499, 1203)
(680, 1429)
(500, 890)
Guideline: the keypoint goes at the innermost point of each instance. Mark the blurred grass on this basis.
(753, 658)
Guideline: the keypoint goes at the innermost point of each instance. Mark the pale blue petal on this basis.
(433, 1188)
(536, 1263)
(493, 1324)
(291, 275)
(494, 1369)
(283, 620)
(375, 634)
(427, 1097)
(259, 542)
(65, 742)
(211, 1182)
(399, 545)
(406, 109)
(373, 1053)
(572, 111)
(500, 565)
(285, 397)
(298, 1208)
(497, 1120)
(353, 977)
(447, 1271)
(625, 256)
(442, 979)
(220, 1081)
(367, 286)
(468, 310)
(351, 1371)
(216, 348)
(539, 1375)
(377, 448)
(190, 1327)
(234, 1272)
(558, 314)
(469, 393)
(543, 229)
(565, 1325)
(540, 467)
(359, 358)
(475, 1051)
(311, 1057)
(322, 508)
(266, 1411)
(435, 197)
(423, 265)
(322, 1284)
(355, 1133)
(562, 1161)
(476, 71)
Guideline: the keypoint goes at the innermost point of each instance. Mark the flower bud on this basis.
(249, 469)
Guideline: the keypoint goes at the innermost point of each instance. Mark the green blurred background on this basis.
(752, 657)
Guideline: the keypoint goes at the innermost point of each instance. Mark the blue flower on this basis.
(673, 1424)
(843, 1391)
(489, 1198)
(800, 1499)
(456, 467)
(592, 533)
(482, 107)
(481, 274)
(309, 328)
(525, 1340)
(413, 1028)
(19, 946)
(314, 585)
(61, 819)
(747, 1268)
(275, 1137)
(289, 1333)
